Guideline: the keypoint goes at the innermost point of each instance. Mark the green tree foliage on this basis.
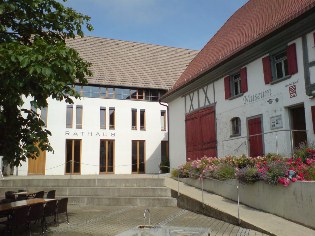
(36, 63)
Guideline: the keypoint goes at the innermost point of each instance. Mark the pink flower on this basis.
(294, 179)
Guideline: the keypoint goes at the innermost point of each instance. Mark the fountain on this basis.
(150, 230)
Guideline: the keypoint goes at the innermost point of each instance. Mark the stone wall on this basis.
(294, 202)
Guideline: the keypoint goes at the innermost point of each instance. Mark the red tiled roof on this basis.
(255, 20)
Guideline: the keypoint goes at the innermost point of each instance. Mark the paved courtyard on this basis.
(114, 220)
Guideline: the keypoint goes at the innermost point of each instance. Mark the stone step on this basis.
(123, 201)
(110, 182)
(100, 191)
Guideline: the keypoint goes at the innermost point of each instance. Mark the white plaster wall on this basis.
(274, 140)
(177, 141)
(276, 101)
(91, 134)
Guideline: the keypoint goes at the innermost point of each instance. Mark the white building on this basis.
(251, 89)
(118, 126)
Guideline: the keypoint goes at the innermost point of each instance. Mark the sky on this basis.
(176, 23)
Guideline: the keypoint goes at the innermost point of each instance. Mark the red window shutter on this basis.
(313, 117)
(267, 69)
(243, 74)
(292, 61)
(227, 87)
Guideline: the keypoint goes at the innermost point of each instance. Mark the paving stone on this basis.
(113, 220)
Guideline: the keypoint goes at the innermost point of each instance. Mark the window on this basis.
(87, 91)
(79, 89)
(142, 119)
(43, 115)
(103, 118)
(102, 92)
(164, 152)
(236, 84)
(79, 110)
(111, 118)
(280, 65)
(122, 93)
(69, 118)
(107, 154)
(163, 120)
(110, 93)
(138, 156)
(119, 93)
(134, 119)
(73, 156)
(140, 94)
(235, 126)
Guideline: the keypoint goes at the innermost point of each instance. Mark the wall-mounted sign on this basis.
(292, 89)
(89, 134)
(276, 122)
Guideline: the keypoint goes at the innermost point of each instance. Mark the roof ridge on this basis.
(134, 42)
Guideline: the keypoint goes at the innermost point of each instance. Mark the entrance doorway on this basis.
(37, 166)
(138, 156)
(73, 156)
(107, 153)
(298, 125)
(201, 138)
(255, 136)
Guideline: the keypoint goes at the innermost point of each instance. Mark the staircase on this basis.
(105, 191)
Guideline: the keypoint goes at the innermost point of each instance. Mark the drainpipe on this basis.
(167, 128)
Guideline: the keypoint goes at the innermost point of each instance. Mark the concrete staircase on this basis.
(111, 191)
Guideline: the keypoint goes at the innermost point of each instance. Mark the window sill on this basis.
(234, 135)
(280, 80)
(236, 96)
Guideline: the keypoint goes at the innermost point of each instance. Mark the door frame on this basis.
(72, 163)
(138, 156)
(106, 156)
(262, 133)
(289, 110)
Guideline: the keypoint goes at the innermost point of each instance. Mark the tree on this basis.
(36, 63)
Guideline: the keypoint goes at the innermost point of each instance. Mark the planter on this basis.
(294, 202)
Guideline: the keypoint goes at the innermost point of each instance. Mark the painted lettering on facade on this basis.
(89, 134)
(252, 98)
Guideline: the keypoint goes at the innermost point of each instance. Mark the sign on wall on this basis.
(276, 122)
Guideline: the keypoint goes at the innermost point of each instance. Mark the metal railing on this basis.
(275, 136)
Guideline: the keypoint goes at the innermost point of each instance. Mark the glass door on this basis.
(138, 156)
(73, 156)
(107, 156)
